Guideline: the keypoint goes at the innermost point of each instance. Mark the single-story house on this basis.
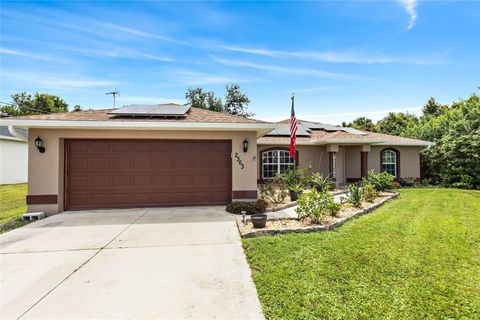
(173, 155)
(13, 156)
(342, 153)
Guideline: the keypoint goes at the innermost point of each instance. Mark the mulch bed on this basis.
(288, 225)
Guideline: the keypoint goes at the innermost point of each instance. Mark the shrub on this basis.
(294, 177)
(382, 181)
(320, 183)
(316, 205)
(273, 192)
(407, 182)
(355, 194)
(251, 207)
(369, 192)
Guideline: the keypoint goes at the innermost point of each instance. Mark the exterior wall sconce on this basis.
(39, 145)
(245, 145)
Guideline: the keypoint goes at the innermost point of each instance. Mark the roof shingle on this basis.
(195, 115)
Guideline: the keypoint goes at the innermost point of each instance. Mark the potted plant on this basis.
(258, 220)
(295, 180)
(295, 190)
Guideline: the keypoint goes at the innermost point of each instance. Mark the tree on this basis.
(432, 108)
(24, 104)
(397, 123)
(458, 150)
(197, 98)
(361, 123)
(236, 102)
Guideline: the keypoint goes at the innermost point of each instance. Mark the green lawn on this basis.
(12, 206)
(417, 257)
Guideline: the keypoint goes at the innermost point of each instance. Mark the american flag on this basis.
(293, 130)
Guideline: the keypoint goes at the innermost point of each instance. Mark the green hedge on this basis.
(251, 207)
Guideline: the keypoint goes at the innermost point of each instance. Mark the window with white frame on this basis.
(275, 162)
(389, 162)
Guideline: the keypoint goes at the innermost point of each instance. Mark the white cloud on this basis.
(335, 57)
(27, 54)
(143, 34)
(55, 81)
(286, 70)
(201, 78)
(338, 118)
(411, 7)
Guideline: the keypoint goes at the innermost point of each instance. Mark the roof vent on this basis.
(151, 110)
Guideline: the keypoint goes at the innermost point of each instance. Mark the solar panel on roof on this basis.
(329, 127)
(284, 130)
(154, 110)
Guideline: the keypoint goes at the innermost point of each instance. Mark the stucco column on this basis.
(364, 160)
(364, 164)
(332, 150)
(331, 160)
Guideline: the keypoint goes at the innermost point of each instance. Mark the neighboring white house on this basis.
(13, 156)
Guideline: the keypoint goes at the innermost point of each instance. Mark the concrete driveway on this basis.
(174, 263)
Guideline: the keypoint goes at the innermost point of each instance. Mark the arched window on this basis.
(275, 161)
(390, 161)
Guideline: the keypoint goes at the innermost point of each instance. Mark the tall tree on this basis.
(361, 123)
(197, 98)
(236, 102)
(397, 123)
(24, 104)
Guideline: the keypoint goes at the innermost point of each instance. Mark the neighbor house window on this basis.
(390, 161)
(275, 162)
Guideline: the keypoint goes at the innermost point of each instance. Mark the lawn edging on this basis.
(316, 228)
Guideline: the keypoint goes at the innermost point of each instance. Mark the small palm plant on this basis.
(320, 183)
(355, 194)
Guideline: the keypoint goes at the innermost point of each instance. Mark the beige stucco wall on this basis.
(409, 161)
(46, 170)
(316, 156)
(349, 160)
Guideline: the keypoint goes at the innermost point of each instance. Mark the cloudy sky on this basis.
(341, 59)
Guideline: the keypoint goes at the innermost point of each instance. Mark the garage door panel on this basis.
(219, 163)
(162, 197)
(102, 164)
(161, 162)
(141, 173)
(221, 196)
(120, 164)
(77, 164)
(99, 182)
(142, 146)
(141, 163)
(100, 146)
(99, 199)
(202, 180)
(184, 162)
(120, 146)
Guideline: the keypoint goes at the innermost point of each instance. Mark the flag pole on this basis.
(293, 130)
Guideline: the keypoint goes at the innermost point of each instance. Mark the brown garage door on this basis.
(144, 173)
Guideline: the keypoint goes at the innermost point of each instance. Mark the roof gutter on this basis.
(373, 142)
(260, 128)
(418, 143)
